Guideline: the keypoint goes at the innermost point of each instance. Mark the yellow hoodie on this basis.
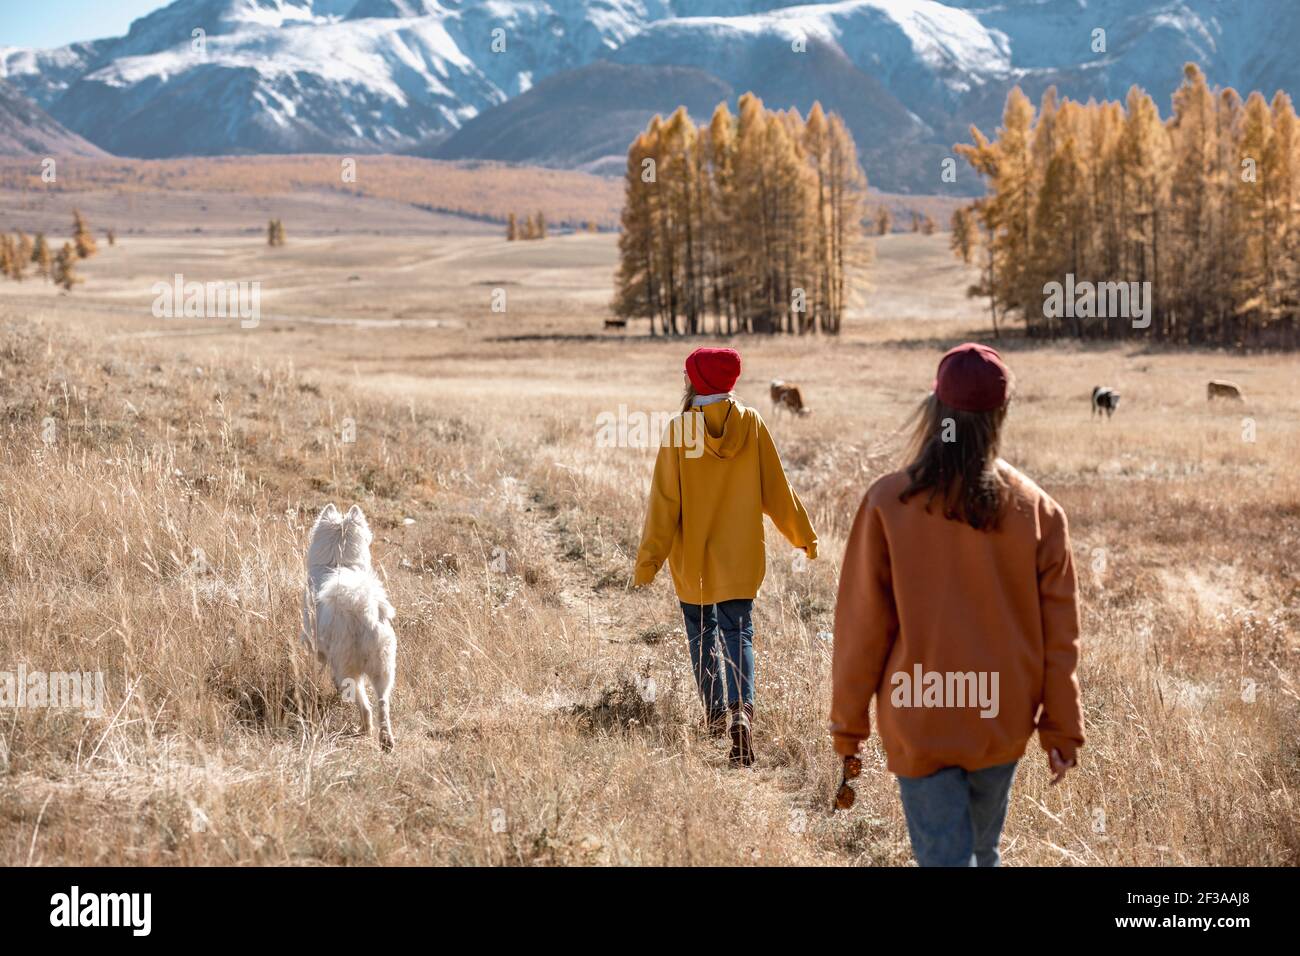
(711, 487)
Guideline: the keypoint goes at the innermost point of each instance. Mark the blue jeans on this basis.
(955, 816)
(735, 620)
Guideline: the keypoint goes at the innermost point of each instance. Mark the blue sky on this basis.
(48, 23)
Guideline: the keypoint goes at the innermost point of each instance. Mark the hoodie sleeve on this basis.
(1060, 724)
(866, 624)
(663, 515)
(780, 503)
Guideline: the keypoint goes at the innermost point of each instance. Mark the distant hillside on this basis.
(477, 189)
(27, 130)
(584, 118)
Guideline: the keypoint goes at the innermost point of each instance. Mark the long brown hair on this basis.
(688, 396)
(952, 458)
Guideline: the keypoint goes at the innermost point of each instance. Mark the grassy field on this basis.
(227, 194)
(472, 188)
(156, 534)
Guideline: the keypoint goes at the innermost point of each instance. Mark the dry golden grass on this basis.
(517, 699)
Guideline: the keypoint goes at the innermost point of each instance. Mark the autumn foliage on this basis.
(19, 251)
(1203, 206)
(754, 220)
(275, 233)
(532, 227)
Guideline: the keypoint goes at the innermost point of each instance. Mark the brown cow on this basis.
(1219, 389)
(787, 395)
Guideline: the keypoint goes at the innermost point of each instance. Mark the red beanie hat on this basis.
(973, 378)
(713, 371)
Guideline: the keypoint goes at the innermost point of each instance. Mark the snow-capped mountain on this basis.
(26, 129)
(229, 76)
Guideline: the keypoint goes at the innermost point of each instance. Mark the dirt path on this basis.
(771, 789)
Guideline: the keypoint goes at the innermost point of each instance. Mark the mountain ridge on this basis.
(27, 130)
(439, 77)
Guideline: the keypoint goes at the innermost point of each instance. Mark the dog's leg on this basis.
(385, 726)
(363, 704)
(383, 682)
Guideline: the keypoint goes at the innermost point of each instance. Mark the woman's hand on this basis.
(1058, 765)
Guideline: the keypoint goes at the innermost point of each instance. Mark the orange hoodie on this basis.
(717, 474)
(943, 623)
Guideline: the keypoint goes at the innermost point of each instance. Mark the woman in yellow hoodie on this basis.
(716, 475)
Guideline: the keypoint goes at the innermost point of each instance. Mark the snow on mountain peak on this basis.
(288, 75)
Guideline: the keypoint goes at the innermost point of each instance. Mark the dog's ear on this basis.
(356, 514)
(329, 511)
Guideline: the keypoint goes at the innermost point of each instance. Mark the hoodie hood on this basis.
(728, 427)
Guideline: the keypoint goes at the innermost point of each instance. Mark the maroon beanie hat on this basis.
(713, 371)
(973, 378)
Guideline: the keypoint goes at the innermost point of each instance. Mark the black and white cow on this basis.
(1104, 400)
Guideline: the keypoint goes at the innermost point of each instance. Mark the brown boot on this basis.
(742, 736)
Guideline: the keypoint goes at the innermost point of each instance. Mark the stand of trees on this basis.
(19, 251)
(753, 220)
(1205, 206)
(533, 227)
(884, 221)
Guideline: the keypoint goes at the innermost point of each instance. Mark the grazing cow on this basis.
(787, 395)
(1217, 389)
(1104, 400)
(616, 323)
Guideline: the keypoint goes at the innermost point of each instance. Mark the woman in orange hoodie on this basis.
(957, 612)
(716, 475)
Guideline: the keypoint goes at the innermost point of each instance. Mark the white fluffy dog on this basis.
(346, 617)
